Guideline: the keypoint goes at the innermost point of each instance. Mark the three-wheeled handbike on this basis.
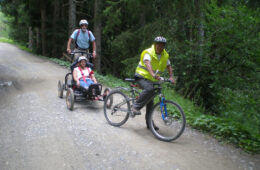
(75, 93)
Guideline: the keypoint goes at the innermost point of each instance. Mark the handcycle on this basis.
(75, 93)
(167, 119)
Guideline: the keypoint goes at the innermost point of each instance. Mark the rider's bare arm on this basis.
(68, 45)
(149, 67)
(94, 49)
(75, 77)
(169, 68)
(93, 78)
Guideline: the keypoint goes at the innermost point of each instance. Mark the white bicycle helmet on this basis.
(160, 39)
(82, 58)
(83, 21)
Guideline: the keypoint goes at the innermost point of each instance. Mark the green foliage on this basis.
(110, 80)
(227, 130)
(61, 62)
(4, 27)
(233, 47)
(242, 107)
(113, 14)
(18, 21)
(6, 40)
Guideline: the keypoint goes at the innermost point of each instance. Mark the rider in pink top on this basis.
(83, 75)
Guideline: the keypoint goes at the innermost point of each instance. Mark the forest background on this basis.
(214, 48)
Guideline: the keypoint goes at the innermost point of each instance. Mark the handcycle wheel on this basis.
(118, 112)
(172, 126)
(70, 99)
(60, 89)
(110, 99)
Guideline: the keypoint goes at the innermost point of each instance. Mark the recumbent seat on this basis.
(94, 89)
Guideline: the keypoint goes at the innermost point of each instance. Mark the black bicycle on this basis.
(167, 116)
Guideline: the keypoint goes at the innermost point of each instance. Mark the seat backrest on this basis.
(74, 65)
(90, 65)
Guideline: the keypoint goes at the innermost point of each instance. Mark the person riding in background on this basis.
(153, 62)
(82, 38)
(83, 75)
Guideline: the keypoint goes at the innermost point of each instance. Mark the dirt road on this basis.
(37, 131)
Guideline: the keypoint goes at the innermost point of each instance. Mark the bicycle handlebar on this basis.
(89, 55)
(162, 79)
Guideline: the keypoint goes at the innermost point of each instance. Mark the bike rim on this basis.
(69, 100)
(59, 89)
(171, 124)
(117, 112)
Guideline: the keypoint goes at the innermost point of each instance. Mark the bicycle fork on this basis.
(164, 112)
(163, 109)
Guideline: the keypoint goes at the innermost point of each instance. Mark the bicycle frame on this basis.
(133, 97)
(89, 55)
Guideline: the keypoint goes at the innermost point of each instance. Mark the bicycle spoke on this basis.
(170, 120)
(117, 114)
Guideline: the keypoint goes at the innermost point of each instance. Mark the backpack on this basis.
(77, 38)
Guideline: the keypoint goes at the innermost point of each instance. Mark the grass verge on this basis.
(6, 40)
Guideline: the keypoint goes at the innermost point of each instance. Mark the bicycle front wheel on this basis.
(167, 121)
(117, 112)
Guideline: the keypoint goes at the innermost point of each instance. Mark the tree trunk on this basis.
(201, 34)
(37, 39)
(142, 16)
(30, 43)
(97, 33)
(200, 17)
(72, 19)
(56, 16)
(72, 16)
(43, 25)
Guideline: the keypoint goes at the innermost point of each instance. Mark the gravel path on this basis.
(37, 131)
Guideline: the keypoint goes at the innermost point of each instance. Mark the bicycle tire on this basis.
(70, 99)
(172, 127)
(110, 99)
(60, 89)
(115, 114)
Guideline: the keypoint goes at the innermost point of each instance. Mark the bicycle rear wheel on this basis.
(117, 112)
(170, 120)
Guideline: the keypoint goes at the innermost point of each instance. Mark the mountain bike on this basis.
(167, 120)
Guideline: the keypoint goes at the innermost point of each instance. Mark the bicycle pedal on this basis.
(131, 114)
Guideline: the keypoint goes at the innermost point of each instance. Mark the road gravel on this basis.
(37, 131)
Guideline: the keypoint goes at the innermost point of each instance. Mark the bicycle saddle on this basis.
(130, 80)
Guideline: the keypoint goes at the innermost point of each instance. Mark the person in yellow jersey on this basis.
(153, 62)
